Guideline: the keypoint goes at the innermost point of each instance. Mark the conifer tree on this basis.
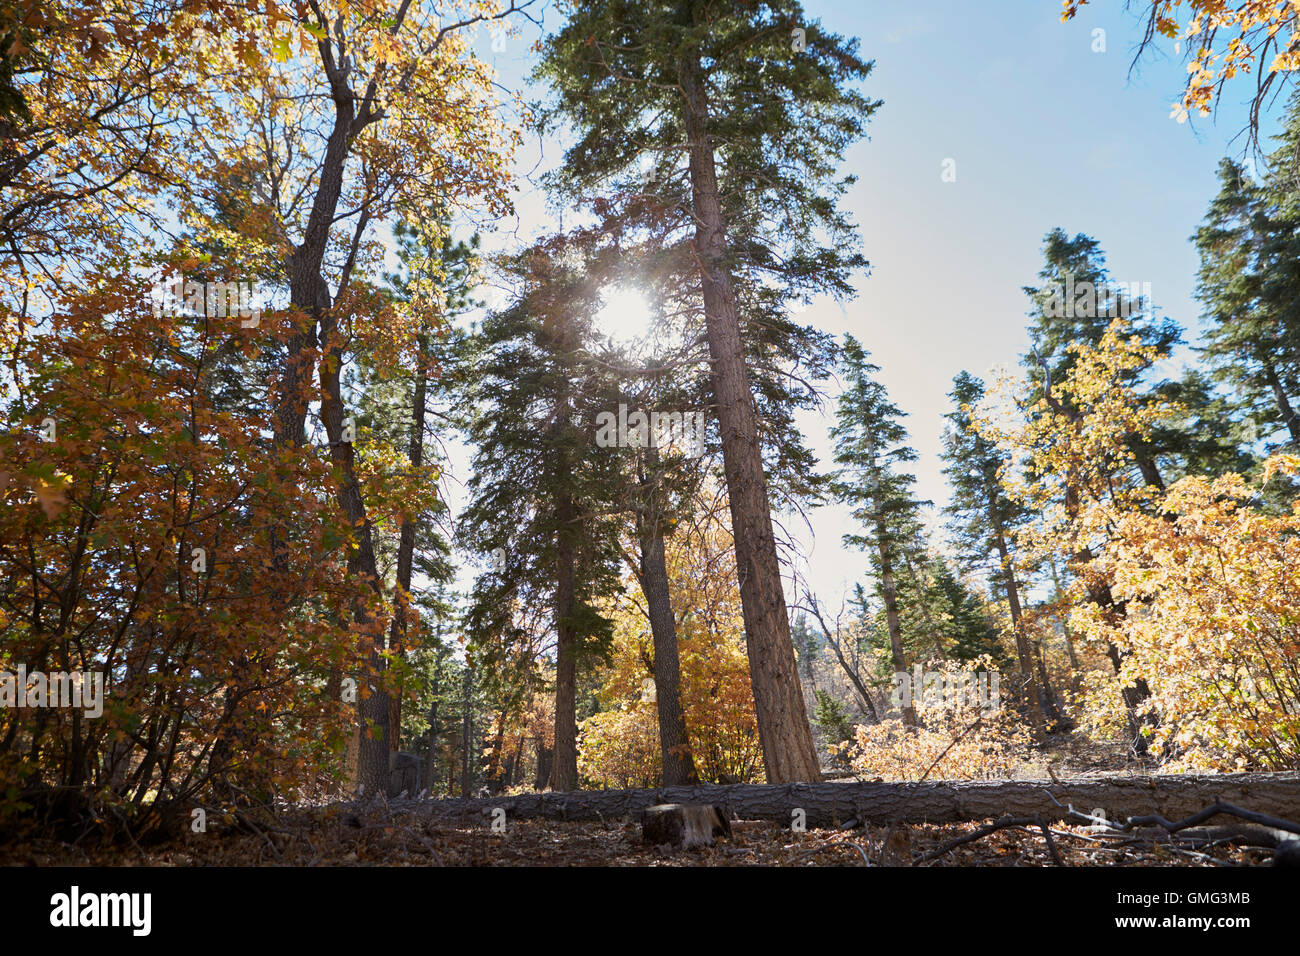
(983, 520)
(758, 103)
(541, 485)
(1249, 282)
(872, 452)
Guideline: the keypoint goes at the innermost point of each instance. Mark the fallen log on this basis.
(830, 804)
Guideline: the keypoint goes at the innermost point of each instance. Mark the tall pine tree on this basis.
(762, 119)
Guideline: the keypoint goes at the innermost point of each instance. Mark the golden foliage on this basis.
(958, 738)
(1214, 619)
(621, 743)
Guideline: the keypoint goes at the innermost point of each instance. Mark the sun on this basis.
(625, 317)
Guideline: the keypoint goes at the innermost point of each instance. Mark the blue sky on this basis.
(1044, 132)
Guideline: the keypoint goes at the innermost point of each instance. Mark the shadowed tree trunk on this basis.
(1033, 694)
(789, 753)
(466, 732)
(564, 770)
(678, 763)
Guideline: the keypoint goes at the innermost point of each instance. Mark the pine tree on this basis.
(541, 486)
(872, 452)
(983, 521)
(434, 284)
(833, 719)
(1076, 304)
(806, 643)
(1248, 284)
(762, 122)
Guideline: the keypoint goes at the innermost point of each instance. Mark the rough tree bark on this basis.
(788, 750)
(564, 769)
(678, 762)
(834, 804)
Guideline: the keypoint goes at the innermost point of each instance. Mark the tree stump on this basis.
(684, 825)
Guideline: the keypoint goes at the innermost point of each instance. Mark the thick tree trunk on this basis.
(834, 803)
(788, 750)
(564, 770)
(372, 759)
(678, 763)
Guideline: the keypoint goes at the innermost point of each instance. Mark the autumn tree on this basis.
(136, 544)
(1069, 446)
(1223, 41)
(619, 745)
(1216, 644)
(360, 113)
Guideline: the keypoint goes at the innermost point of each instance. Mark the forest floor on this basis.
(423, 834)
(333, 836)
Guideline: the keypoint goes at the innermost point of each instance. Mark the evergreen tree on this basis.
(806, 643)
(983, 520)
(541, 486)
(872, 452)
(433, 285)
(832, 719)
(762, 123)
(1249, 280)
(1076, 304)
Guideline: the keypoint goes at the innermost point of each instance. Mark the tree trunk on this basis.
(466, 733)
(1135, 694)
(889, 594)
(545, 756)
(1024, 659)
(406, 535)
(372, 759)
(850, 670)
(678, 763)
(309, 297)
(835, 803)
(564, 771)
(789, 753)
(1289, 417)
(492, 772)
(429, 766)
